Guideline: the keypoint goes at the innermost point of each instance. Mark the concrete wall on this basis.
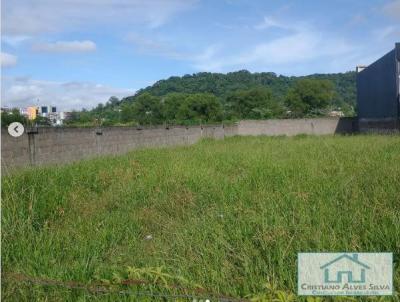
(15, 152)
(317, 126)
(44, 146)
(63, 145)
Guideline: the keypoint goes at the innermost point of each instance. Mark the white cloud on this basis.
(392, 9)
(7, 60)
(153, 46)
(65, 46)
(294, 47)
(25, 91)
(269, 22)
(15, 41)
(209, 59)
(300, 44)
(26, 17)
(289, 49)
(202, 60)
(386, 32)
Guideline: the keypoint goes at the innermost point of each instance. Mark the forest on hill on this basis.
(221, 85)
(214, 97)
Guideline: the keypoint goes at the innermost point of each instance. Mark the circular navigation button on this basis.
(16, 129)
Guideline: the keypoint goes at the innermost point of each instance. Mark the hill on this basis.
(221, 85)
(214, 97)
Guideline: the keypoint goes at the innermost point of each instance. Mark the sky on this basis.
(77, 53)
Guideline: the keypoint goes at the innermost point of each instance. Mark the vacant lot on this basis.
(228, 216)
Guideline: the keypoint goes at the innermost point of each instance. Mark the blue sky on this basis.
(78, 53)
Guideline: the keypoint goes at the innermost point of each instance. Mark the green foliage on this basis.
(41, 121)
(171, 104)
(216, 83)
(267, 96)
(105, 115)
(345, 87)
(255, 103)
(174, 108)
(270, 293)
(309, 96)
(147, 109)
(81, 118)
(14, 116)
(127, 113)
(199, 107)
(222, 85)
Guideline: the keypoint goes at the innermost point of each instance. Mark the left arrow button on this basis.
(16, 129)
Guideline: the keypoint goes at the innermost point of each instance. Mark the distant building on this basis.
(23, 111)
(336, 113)
(378, 90)
(6, 109)
(65, 115)
(58, 118)
(46, 110)
(32, 112)
(50, 112)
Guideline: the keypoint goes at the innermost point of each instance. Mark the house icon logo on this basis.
(345, 268)
(345, 274)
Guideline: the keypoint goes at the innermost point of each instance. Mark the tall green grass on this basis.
(227, 215)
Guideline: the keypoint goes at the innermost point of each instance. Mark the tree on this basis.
(200, 107)
(222, 85)
(255, 103)
(147, 109)
(127, 114)
(171, 103)
(309, 96)
(78, 118)
(41, 121)
(14, 116)
(113, 101)
(227, 87)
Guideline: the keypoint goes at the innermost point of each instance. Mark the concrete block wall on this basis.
(231, 130)
(15, 152)
(63, 145)
(289, 127)
(46, 146)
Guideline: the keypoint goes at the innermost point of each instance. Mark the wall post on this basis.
(31, 145)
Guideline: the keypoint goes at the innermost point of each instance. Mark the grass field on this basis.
(229, 216)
